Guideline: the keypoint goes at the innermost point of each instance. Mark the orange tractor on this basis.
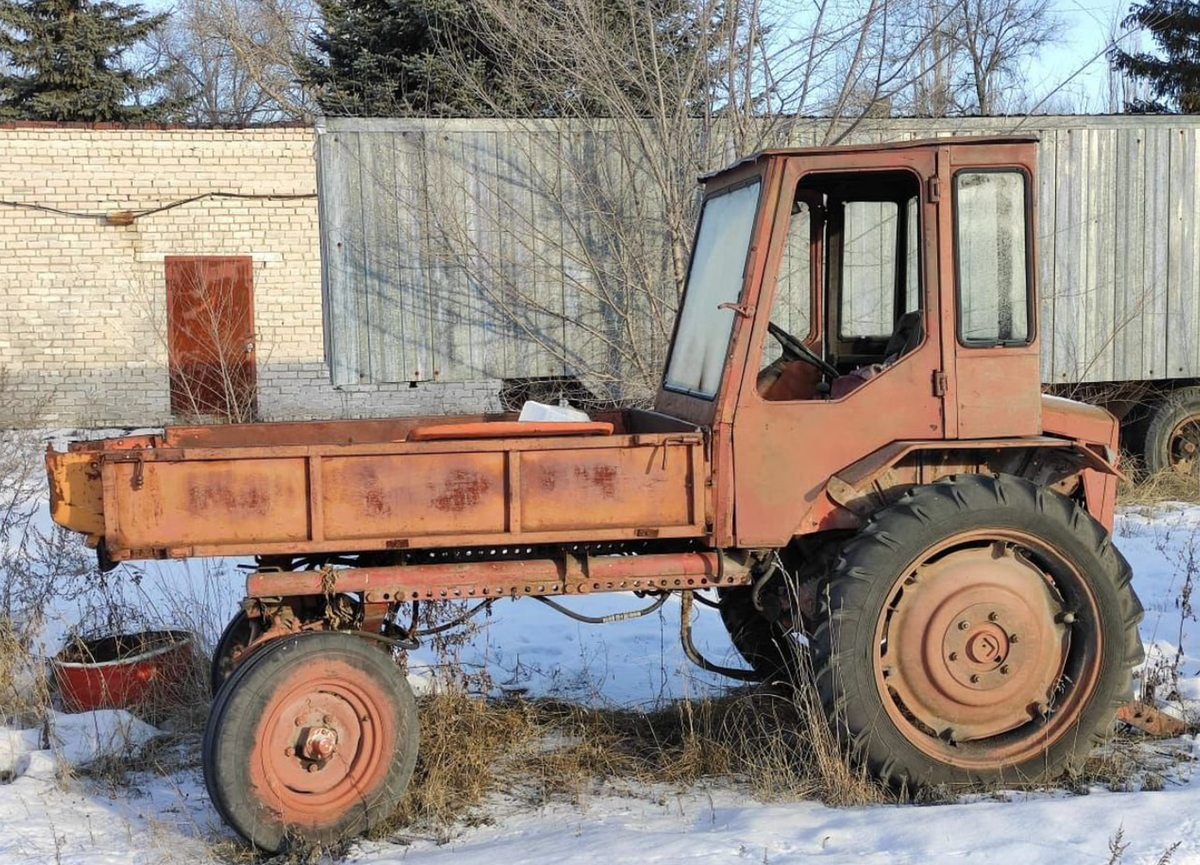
(850, 444)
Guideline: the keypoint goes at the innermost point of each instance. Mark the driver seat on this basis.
(909, 333)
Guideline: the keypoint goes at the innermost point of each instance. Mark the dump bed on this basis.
(355, 486)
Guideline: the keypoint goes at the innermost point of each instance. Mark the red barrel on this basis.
(127, 671)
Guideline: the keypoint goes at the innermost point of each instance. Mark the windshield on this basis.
(716, 276)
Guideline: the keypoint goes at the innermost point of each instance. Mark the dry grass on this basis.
(462, 739)
(24, 687)
(776, 745)
(1164, 486)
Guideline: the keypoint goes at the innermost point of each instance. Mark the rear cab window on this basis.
(992, 247)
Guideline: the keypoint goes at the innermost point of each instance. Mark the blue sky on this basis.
(1084, 34)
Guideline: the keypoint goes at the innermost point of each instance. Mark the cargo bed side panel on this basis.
(293, 500)
(184, 504)
(404, 496)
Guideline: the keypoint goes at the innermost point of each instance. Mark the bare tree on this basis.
(646, 97)
(237, 59)
(971, 53)
(995, 37)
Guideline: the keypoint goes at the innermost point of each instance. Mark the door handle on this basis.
(746, 310)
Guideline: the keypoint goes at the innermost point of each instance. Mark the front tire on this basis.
(313, 738)
(980, 630)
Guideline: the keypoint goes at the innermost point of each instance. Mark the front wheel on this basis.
(314, 738)
(982, 629)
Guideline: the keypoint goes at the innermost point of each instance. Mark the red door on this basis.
(210, 336)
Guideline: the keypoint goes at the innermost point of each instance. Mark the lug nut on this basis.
(992, 617)
(291, 752)
(1004, 670)
(312, 767)
(326, 720)
(299, 723)
(1067, 618)
(1013, 638)
(954, 656)
(963, 625)
(974, 679)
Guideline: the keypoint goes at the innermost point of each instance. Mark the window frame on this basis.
(1030, 304)
(755, 178)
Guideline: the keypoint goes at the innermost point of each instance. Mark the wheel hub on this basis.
(319, 745)
(1183, 447)
(974, 647)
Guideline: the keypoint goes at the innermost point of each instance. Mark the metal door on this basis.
(210, 336)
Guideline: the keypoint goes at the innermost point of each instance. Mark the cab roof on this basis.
(875, 147)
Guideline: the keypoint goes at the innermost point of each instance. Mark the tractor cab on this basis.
(842, 299)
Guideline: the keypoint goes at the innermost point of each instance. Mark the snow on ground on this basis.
(51, 816)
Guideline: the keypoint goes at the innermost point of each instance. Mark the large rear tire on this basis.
(980, 630)
(313, 738)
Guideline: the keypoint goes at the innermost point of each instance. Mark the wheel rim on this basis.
(1183, 446)
(324, 745)
(987, 650)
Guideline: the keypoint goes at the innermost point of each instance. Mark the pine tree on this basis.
(63, 61)
(1174, 79)
(391, 57)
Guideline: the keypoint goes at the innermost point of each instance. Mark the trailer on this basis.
(893, 496)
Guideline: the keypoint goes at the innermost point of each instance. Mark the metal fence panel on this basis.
(426, 224)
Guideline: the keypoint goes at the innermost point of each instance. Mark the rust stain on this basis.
(220, 494)
(375, 502)
(463, 490)
(604, 477)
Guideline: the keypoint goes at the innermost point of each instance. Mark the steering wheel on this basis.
(800, 350)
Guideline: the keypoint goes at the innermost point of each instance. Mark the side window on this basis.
(793, 292)
(869, 269)
(993, 265)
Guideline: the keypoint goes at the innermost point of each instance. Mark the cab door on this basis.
(996, 375)
(785, 449)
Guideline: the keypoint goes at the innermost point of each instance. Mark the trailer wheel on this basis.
(1173, 434)
(981, 629)
(236, 636)
(313, 738)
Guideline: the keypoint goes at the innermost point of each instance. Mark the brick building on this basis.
(103, 231)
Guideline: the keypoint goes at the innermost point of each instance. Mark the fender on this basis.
(874, 481)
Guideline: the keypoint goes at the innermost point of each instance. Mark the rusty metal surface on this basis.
(973, 642)
(993, 599)
(210, 335)
(217, 498)
(1151, 721)
(742, 472)
(325, 742)
(508, 578)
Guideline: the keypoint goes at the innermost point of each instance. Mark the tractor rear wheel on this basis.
(313, 738)
(981, 629)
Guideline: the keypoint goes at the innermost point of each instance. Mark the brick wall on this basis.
(83, 300)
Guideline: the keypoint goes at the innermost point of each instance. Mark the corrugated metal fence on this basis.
(427, 225)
